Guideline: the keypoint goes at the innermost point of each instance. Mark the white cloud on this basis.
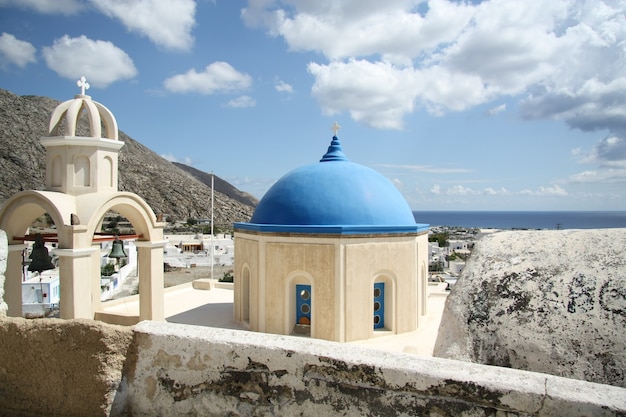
(435, 189)
(495, 110)
(599, 176)
(609, 158)
(241, 102)
(16, 52)
(167, 24)
(426, 168)
(461, 190)
(172, 158)
(566, 58)
(217, 77)
(358, 28)
(554, 190)
(100, 61)
(283, 87)
(67, 7)
(376, 94)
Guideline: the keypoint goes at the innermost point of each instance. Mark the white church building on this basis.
(332, 252)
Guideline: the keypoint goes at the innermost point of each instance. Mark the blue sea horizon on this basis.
(523, 219)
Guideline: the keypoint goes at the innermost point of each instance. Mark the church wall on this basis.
(287, 260)
(395, 259)
(422, 274)
(247, 257)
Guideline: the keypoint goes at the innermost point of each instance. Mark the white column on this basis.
(151, 281)
(75, 273)
(13, 280)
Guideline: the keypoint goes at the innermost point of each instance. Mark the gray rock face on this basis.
(543, 301)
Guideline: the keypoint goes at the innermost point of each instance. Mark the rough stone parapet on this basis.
(61, 367)
(82, 367)
(543, 301)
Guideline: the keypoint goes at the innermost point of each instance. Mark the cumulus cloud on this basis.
(376, 94)
(100, 61)
(167, 24)
(16, 52)
(67, 7)
(283, 87)
(218, 77)
(241, 102)
(565, 59)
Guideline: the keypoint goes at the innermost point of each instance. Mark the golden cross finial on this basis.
(335, 128)
(83, 84)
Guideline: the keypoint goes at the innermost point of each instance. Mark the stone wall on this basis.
(77, 368)
(60, 367)
(543, 301)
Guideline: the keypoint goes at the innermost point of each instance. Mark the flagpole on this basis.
(212, 210)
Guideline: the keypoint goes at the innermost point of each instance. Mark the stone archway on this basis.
(78, 256)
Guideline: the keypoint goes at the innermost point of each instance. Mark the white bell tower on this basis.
(75, 164)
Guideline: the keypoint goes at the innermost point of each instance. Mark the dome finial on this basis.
(83, 84)
(334, 153)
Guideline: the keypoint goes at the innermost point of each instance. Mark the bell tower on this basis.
(77, 164)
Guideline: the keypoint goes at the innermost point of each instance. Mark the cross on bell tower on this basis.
(83, 84)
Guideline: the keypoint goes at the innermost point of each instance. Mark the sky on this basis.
(462, 105)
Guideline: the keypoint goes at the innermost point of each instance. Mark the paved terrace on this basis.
(214, 308)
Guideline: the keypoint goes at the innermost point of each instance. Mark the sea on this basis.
(511, 220)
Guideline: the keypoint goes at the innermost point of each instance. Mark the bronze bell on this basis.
(41, 261)
(117, 249)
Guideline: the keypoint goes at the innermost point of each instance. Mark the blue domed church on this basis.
(332, 252)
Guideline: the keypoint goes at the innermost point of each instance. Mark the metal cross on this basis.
(335, 128)
(83, 84)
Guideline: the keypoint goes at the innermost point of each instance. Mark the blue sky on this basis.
(493, 105)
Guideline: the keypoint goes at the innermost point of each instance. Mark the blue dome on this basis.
(333, 196)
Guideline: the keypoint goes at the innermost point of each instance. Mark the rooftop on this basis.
(214, 308)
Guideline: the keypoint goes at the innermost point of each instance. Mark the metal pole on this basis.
(212, 209)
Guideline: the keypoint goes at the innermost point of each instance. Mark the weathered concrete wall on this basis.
(190, 370)
(4, 253)
(544, 301)
(60, 367)
(84, 368)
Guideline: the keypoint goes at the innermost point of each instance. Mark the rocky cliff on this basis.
(175, 190)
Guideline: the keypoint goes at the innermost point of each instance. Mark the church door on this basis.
(303, 304)
(379, 305)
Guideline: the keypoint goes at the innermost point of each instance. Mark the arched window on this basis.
(383, 302)
(300, 306)
(245, 295)
(56, 179)
(81, 171)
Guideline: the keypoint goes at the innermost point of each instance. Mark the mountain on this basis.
(177, 191)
